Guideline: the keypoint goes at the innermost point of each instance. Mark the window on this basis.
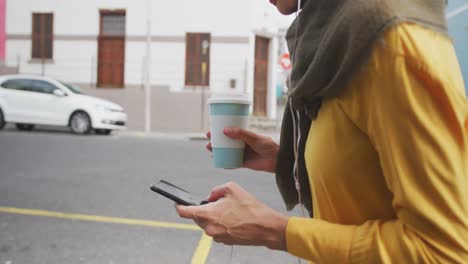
(113, 24)
(43, 87)
(17, 84)
(197, 59)
(72, 88)
(42, 36)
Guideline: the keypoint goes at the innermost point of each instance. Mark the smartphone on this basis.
(176, 194)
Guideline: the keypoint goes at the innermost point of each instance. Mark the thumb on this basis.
(217, 193)
(186, 211)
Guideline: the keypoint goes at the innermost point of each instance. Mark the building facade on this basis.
(196, 48)
(224, 46)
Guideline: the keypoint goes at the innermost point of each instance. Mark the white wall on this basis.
(71, 62)
(76, 61)
(168, 17)
(228, 61)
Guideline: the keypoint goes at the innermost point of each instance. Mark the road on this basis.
(86, 199)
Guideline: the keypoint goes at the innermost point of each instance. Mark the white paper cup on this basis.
(228, 111)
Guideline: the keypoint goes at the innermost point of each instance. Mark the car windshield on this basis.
(72, 88)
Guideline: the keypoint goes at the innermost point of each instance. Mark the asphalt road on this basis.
(50, 177)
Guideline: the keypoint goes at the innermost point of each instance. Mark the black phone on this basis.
(176, 194)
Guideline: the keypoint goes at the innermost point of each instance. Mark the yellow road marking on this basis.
(199, 257)
(95, 218)
(203, 249)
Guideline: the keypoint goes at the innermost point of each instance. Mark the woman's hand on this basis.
(260, 151)
(235, 217)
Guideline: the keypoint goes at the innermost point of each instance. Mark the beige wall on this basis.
(170, 111)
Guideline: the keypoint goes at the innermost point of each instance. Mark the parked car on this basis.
(34, 100)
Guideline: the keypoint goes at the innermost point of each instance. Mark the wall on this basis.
(170, 112)
(131, 99)
(458, 26)
(232, 25)
(76, 29)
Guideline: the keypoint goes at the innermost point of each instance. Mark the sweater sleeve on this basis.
(417, 120)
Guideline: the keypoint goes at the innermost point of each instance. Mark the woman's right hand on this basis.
(260, 151)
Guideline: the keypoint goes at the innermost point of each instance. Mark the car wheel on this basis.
(2, 119)
(25, 127)
(103, 131)
(80, 123)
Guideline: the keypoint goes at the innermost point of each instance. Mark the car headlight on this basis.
(103, 108)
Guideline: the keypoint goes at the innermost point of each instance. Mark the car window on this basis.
(43, 87)
(17, 84)
(72, 88)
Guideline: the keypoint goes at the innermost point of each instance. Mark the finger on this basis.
(239, 133)
(208, 134)
(219, 192)
(216, 194)
(186, 211)
(209, 147)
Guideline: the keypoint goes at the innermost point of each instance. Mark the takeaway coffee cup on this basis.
(227, 111)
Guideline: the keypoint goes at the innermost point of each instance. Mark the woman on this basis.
(374, 141)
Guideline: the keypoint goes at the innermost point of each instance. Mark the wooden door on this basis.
(111, 49)
(261, 76)
(111, 62)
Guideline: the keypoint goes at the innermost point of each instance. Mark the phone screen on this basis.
(176, 194)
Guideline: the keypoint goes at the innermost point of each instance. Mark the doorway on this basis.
(111, 49)
(262, 45)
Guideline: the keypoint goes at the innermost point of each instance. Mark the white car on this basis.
(33, 100)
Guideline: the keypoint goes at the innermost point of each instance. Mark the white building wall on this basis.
(167, 63)
(76, 28)
(228, 62)
(221, 17)
(170, 18)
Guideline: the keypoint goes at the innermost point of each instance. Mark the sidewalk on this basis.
(187, 136)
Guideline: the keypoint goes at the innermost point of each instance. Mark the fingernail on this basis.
(227, 130)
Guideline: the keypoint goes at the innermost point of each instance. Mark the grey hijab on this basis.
(329, 41)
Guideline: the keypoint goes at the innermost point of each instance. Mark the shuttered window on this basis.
(197, 59)
(42, 35)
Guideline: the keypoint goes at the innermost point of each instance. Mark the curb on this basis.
(185, 136)
(160, 135)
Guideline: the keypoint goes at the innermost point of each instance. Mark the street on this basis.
(86, 199)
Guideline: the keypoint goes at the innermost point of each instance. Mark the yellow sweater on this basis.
(388, 160)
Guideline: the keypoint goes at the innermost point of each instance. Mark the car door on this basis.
(17, 97)
(50, 108)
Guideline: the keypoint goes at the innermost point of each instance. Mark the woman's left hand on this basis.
(235, 217)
